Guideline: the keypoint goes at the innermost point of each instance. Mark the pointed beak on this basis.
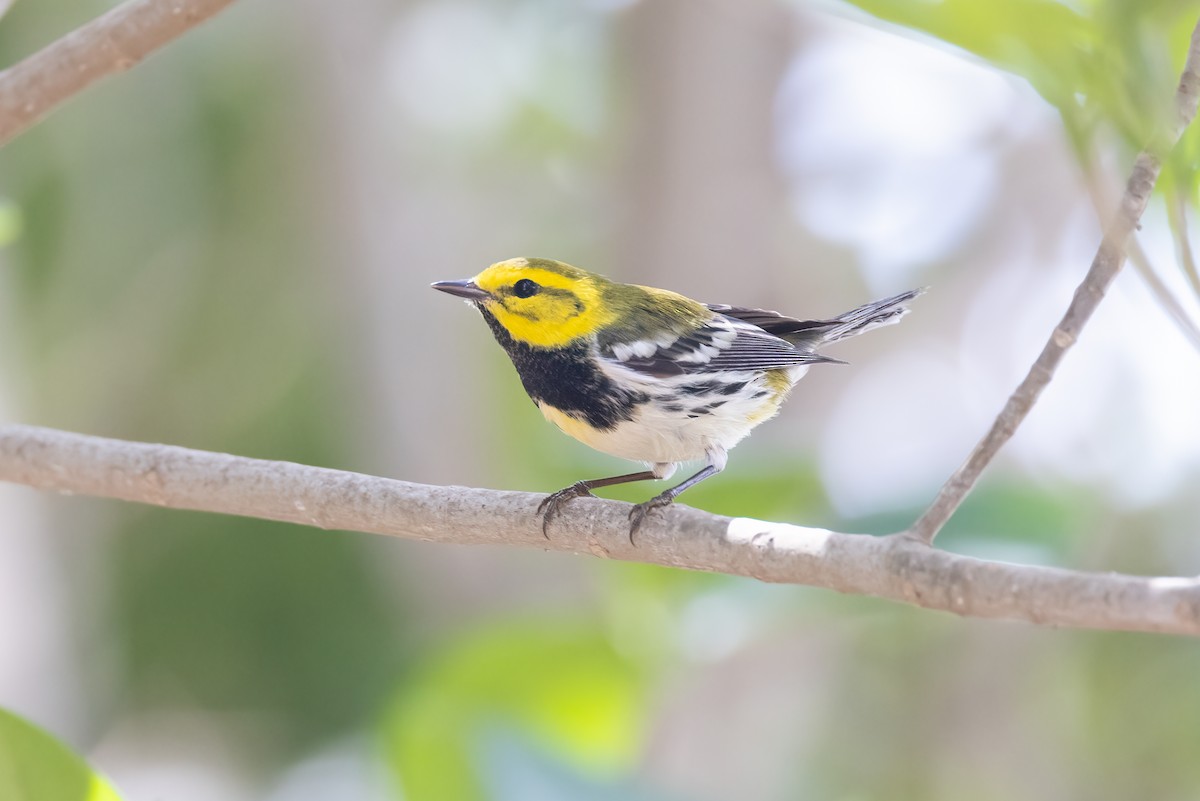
(463, 289)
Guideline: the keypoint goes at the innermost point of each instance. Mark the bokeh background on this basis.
(229, 248)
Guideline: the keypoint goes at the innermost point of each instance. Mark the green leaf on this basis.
(36, 767)
(1010, 34)
(1108, 63)
(517, 772)
(559, 684)
(11, 222)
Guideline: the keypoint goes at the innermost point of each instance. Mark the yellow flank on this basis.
(779, 383)
(569, 425)
(550, 319)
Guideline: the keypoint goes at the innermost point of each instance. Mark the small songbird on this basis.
(646, 374)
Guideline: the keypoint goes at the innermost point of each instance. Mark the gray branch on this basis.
(1105, 266)
(896, 567)
(113, 42)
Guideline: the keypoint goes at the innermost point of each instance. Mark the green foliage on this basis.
(234, 613)
(36, 767)
(11, 222)
(168, 288)
(183, 281)
(1100, 63)
(516, 770)
(557, 685)
(1154, 694)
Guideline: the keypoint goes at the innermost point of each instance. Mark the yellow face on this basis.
(543, 303)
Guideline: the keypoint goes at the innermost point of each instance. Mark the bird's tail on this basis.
(808, 335)
(864, 318)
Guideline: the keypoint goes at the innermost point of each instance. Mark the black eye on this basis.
(525, 288)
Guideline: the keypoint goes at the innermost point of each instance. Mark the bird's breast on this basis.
(683, 420)
(568, 379)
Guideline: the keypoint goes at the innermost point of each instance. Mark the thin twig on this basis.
(1177, 219)
(1105, 266)
(894, 567)
(1162, 293)
(114, 42)
(1141, 262)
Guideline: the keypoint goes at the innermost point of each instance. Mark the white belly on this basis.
(673, 429)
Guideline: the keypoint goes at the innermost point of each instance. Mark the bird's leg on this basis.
(549, 508)
(716, 463)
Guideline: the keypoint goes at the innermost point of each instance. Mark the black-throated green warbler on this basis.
(646, 374)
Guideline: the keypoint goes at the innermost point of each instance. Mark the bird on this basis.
(647, 374)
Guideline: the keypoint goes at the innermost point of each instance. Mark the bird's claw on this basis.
(641, 511)
(550, 507)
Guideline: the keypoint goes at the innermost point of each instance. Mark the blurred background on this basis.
(229, 248)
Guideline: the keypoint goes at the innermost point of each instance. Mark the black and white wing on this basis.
(723, 344)
(789, 328)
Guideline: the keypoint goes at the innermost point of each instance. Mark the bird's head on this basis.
(540, 302)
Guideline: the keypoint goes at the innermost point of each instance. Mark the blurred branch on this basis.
(1141, 262)
(114, 42)
(895, 567)
(1105, 266)
(1162, 293)
(1177, 219)
(5, 5)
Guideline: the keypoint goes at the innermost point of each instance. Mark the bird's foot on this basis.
(641, 511)
(551, 507)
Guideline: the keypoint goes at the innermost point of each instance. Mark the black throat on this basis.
(568, 379)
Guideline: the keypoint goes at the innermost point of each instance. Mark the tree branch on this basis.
(113, 42)
(1105, 266)
(895, 567)
(1141, 262)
